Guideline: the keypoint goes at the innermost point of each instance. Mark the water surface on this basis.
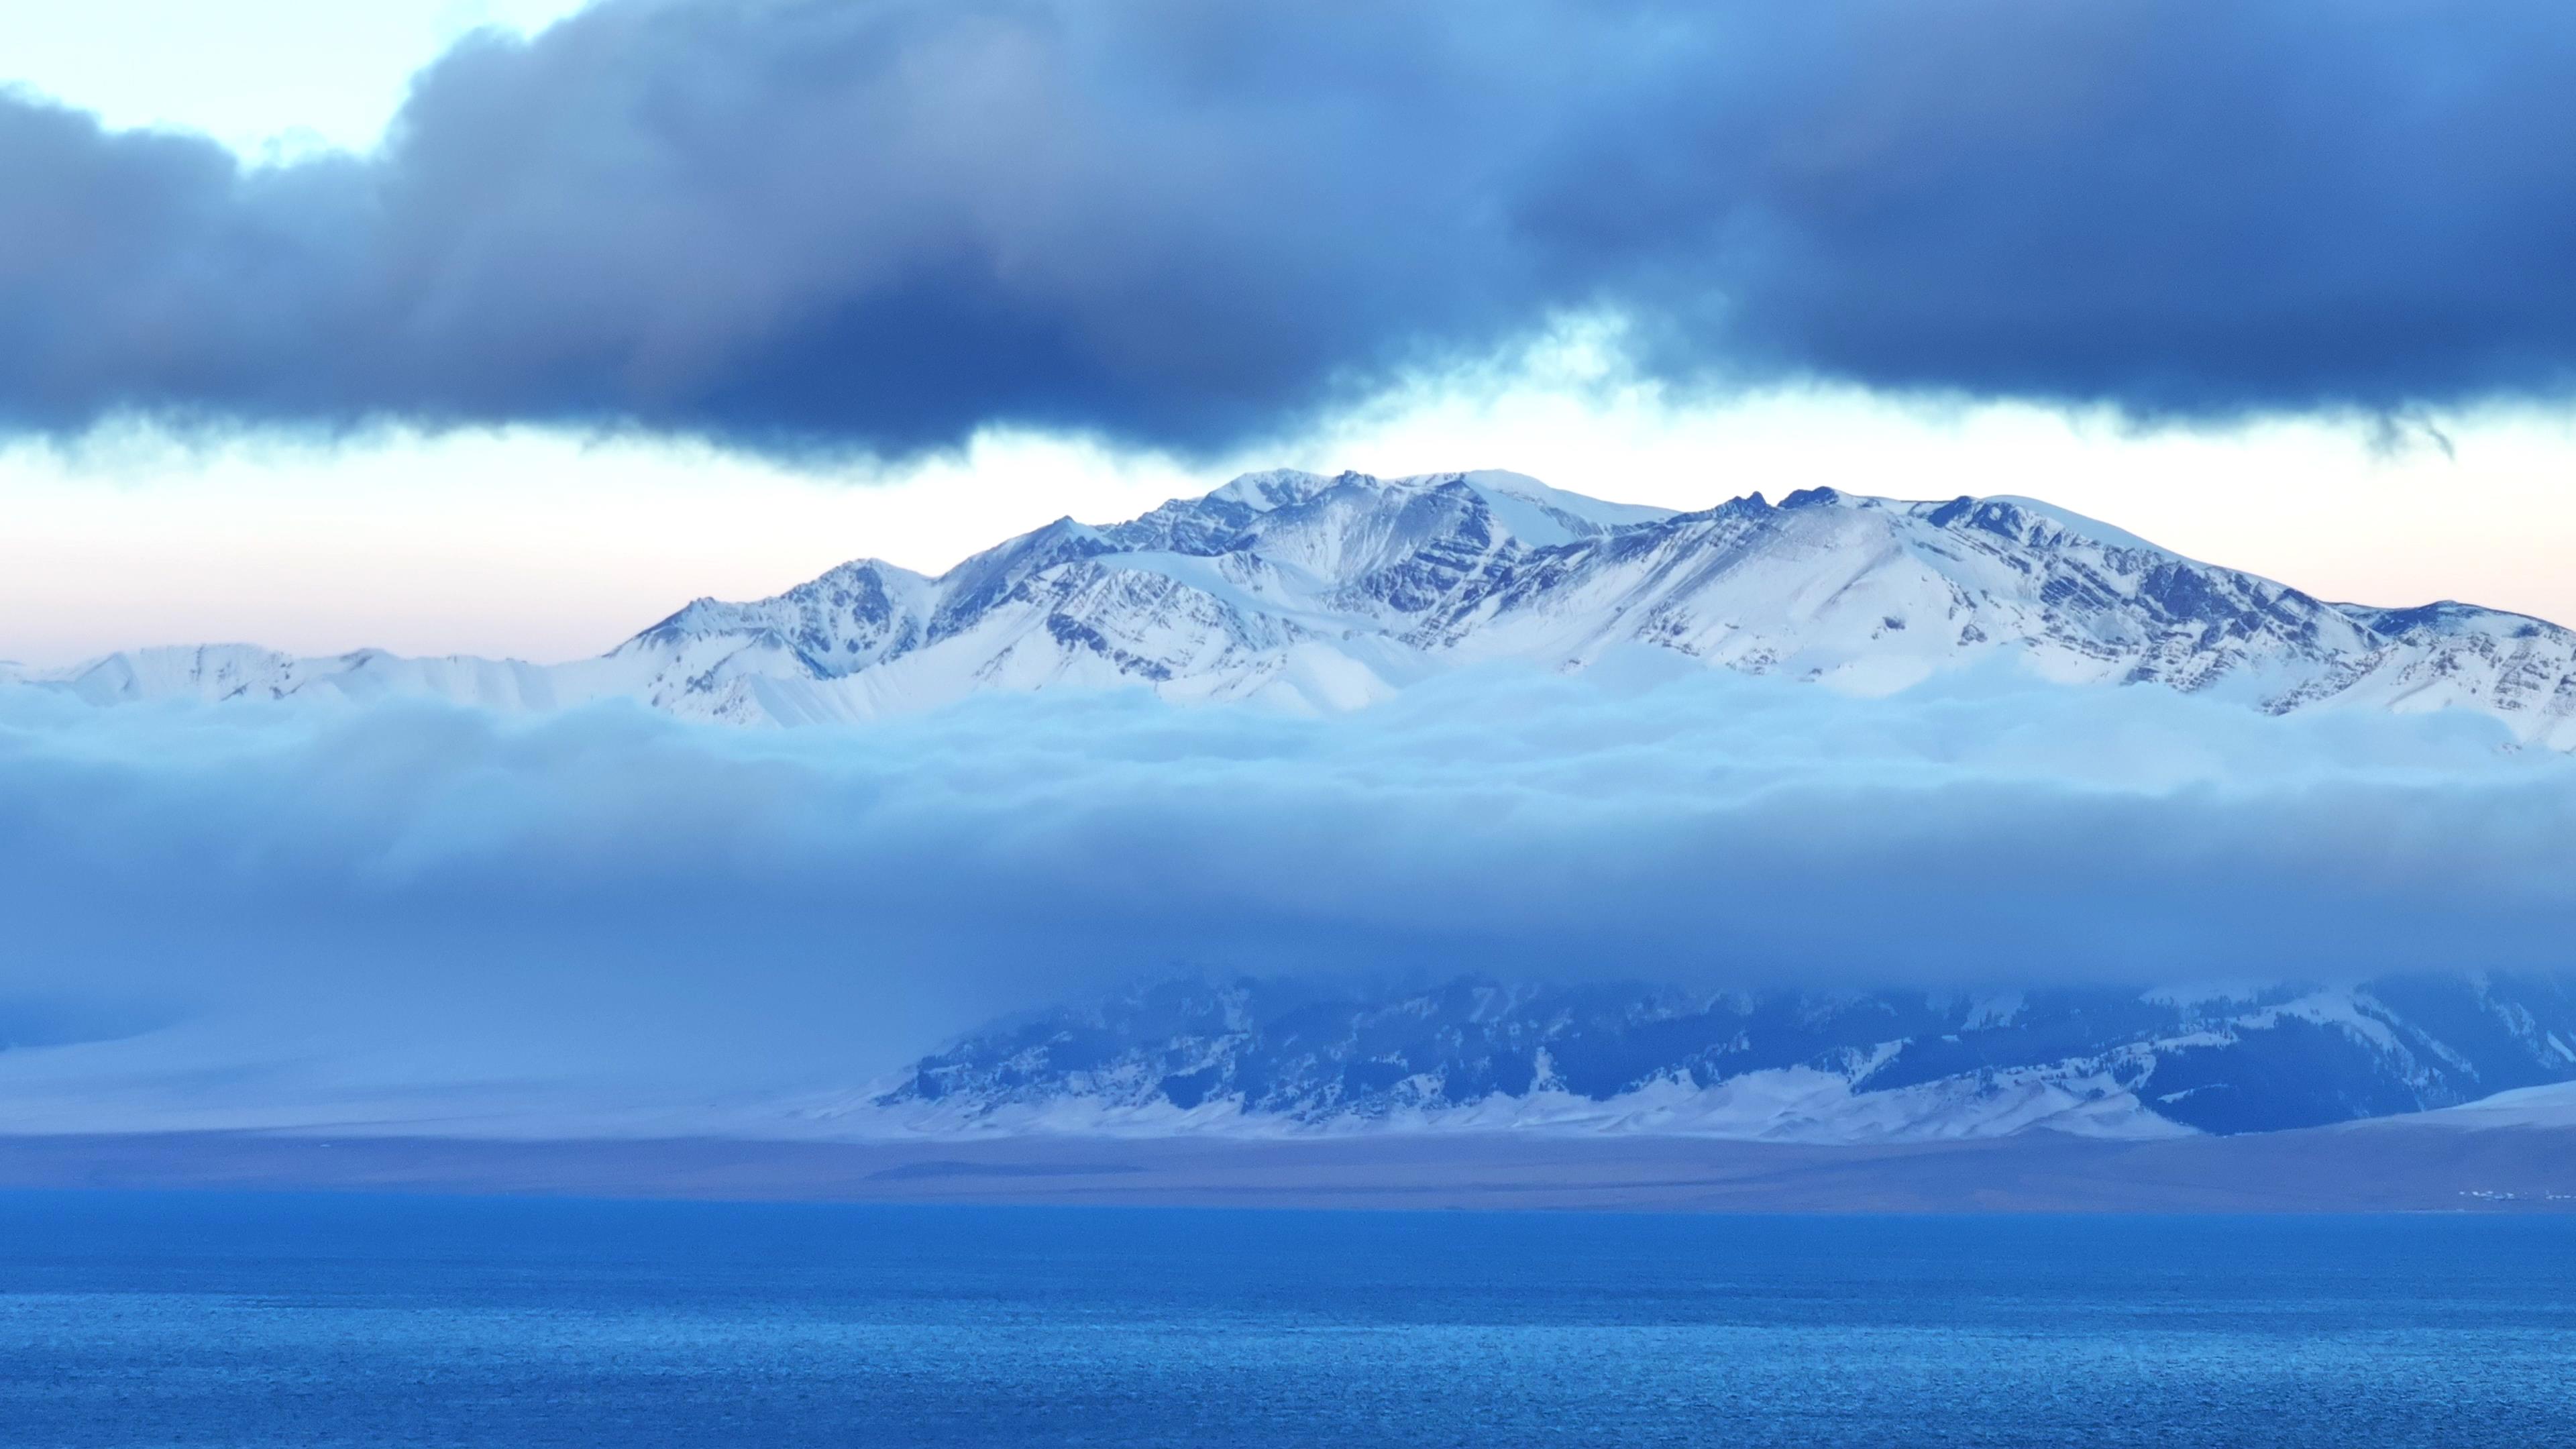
(195, 1319)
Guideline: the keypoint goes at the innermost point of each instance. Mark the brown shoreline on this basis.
(2378, 1167)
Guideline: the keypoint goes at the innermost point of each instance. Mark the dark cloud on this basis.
(880, 225)
(442, 900)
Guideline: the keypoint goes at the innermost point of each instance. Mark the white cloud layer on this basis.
(323, 901)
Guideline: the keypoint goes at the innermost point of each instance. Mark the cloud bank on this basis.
(882, 226)
(372, 898)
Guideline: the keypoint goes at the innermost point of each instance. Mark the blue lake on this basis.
(348, 1320)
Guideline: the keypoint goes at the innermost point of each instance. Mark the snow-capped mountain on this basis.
(1272, 1057)
(1325, 593)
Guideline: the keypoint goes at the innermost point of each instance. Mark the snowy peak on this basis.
(859, 614)
(1319, 592)
(1260, 492)
(2451, 621)
(1570, 515)
(1335, 526)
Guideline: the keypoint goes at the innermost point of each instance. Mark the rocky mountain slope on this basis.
(1325, 593)
(1270, 1058)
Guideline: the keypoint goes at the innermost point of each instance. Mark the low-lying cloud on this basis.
(414, 894)
(885, 225)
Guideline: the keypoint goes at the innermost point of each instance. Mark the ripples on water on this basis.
(205, 1320)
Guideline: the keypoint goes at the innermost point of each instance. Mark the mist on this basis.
(212, 907)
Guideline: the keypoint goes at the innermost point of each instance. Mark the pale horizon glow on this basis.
(544, 545)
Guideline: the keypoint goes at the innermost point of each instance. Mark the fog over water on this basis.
(307, 903)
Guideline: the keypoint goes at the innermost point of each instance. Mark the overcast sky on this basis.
(423, 324)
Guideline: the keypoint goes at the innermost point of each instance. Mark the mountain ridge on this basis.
(1275, 1057)
(1323, 593)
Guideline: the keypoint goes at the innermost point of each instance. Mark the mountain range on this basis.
(1273, 1057)
(1321, 594)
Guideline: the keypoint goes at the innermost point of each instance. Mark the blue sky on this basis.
(268, 79)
